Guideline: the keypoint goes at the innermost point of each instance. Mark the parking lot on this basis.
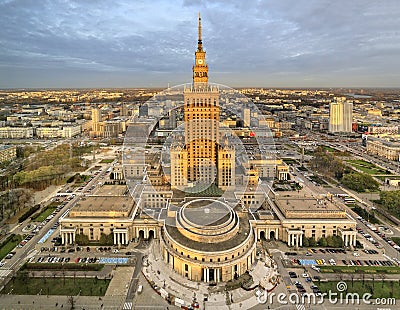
(341, 257)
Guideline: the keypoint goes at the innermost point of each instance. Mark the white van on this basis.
(140, 289)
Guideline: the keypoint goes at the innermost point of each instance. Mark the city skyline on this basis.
(261, 44)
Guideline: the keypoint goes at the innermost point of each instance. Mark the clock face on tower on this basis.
(200, 61)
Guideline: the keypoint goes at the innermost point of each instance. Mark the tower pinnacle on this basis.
(200, 68)
(200, 42)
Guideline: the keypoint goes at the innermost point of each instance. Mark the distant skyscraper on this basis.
(96, 119)
(246, 116)
(124, 110)
(96, 115)
(202, 159)
(340, 115)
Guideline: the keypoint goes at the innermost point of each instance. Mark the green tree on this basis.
(360, 182)
(330, 241)
(327, 163)
(390, 200)
(81, 239)
(322, 242)
(312, 242)
(106, 239)
(305, 242)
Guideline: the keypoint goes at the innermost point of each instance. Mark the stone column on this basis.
(115, 238)
(301, 239)
(204, 275)
(62, 238)
(354, 240)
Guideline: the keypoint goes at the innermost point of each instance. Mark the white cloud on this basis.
(249, 40)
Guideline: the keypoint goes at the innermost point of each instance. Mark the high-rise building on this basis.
(340, 115)
(246, 116)
(347, 116)
(96, 115)
(202, 159)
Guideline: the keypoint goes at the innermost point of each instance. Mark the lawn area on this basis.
(366, 167)
(290, 161)
(372, 270)
(24, 285)
(45, 213)
(318, 180)
(302, 168)
(9, 244)
(106, 161)
(82, 178)
(211, 191)
(396, 240)
(328, 148)
(387, 289)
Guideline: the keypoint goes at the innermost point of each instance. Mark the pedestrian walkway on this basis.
(5, 272)
(127, 306)
(120, 281)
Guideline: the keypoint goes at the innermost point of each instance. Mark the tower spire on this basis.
(200, 42)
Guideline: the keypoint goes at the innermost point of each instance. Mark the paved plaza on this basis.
(209, 297)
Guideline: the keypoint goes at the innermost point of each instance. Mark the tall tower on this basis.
(201, 115)
(201, 160)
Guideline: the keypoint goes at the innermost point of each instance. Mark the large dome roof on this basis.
(207, 220)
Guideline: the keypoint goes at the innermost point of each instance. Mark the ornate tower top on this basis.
(200, 69)
(199, 42)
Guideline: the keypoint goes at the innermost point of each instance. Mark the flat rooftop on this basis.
(111, 190)
(103, 206)
(297, 206)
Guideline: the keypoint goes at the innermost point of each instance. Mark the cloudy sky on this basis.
(129, 43)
